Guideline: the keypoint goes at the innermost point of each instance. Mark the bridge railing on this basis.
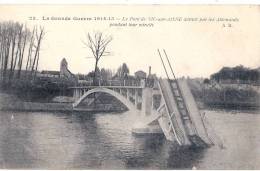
(119, 83)
(126, 82)
(122, 83)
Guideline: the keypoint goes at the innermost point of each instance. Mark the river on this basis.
(43, 140)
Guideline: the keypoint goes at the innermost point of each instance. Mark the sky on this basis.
(195, 48)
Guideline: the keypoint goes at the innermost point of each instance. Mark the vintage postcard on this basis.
(129, 87)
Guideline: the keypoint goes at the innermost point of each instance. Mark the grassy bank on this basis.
(13, 103)
(104, 103)
(226, 96)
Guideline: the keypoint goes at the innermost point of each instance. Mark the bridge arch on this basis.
(117, 95)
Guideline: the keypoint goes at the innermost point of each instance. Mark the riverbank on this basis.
(12, 103)
(226, 96)
(34, 106)
(50, 107)
(233, 105)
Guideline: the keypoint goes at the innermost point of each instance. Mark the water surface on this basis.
(41, 140)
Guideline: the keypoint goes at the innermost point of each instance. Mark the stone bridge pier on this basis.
(147, 101)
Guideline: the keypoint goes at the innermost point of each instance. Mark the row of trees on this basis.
(107, 74)
(19, 49)
(237, 73)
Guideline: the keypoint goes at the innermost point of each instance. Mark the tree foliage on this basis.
(237, 73)
(123, 71)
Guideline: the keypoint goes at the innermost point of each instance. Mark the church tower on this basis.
(63, 67)
(65, 72)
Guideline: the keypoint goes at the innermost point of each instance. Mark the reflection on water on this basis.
(104, 141)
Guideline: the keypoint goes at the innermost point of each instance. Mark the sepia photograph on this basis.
(157, 87)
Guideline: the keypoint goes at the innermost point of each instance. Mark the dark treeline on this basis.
(227, 96)
(19, 58)
(231, 87)
(104, 74)
(19, 51)
(240, 73)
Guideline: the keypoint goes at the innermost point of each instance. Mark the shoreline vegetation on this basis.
(9, 102)
(6, 105)
(222, 91)
(224, 97)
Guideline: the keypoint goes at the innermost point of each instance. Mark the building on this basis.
(140, 74)
(63, 73)
(49, 74)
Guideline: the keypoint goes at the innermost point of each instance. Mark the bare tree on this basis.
(39, 37)
(26, 33)
(29, 57)
(7, 36)
(14, 31)
(17, 34)
(98, 46)
(15, 38)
